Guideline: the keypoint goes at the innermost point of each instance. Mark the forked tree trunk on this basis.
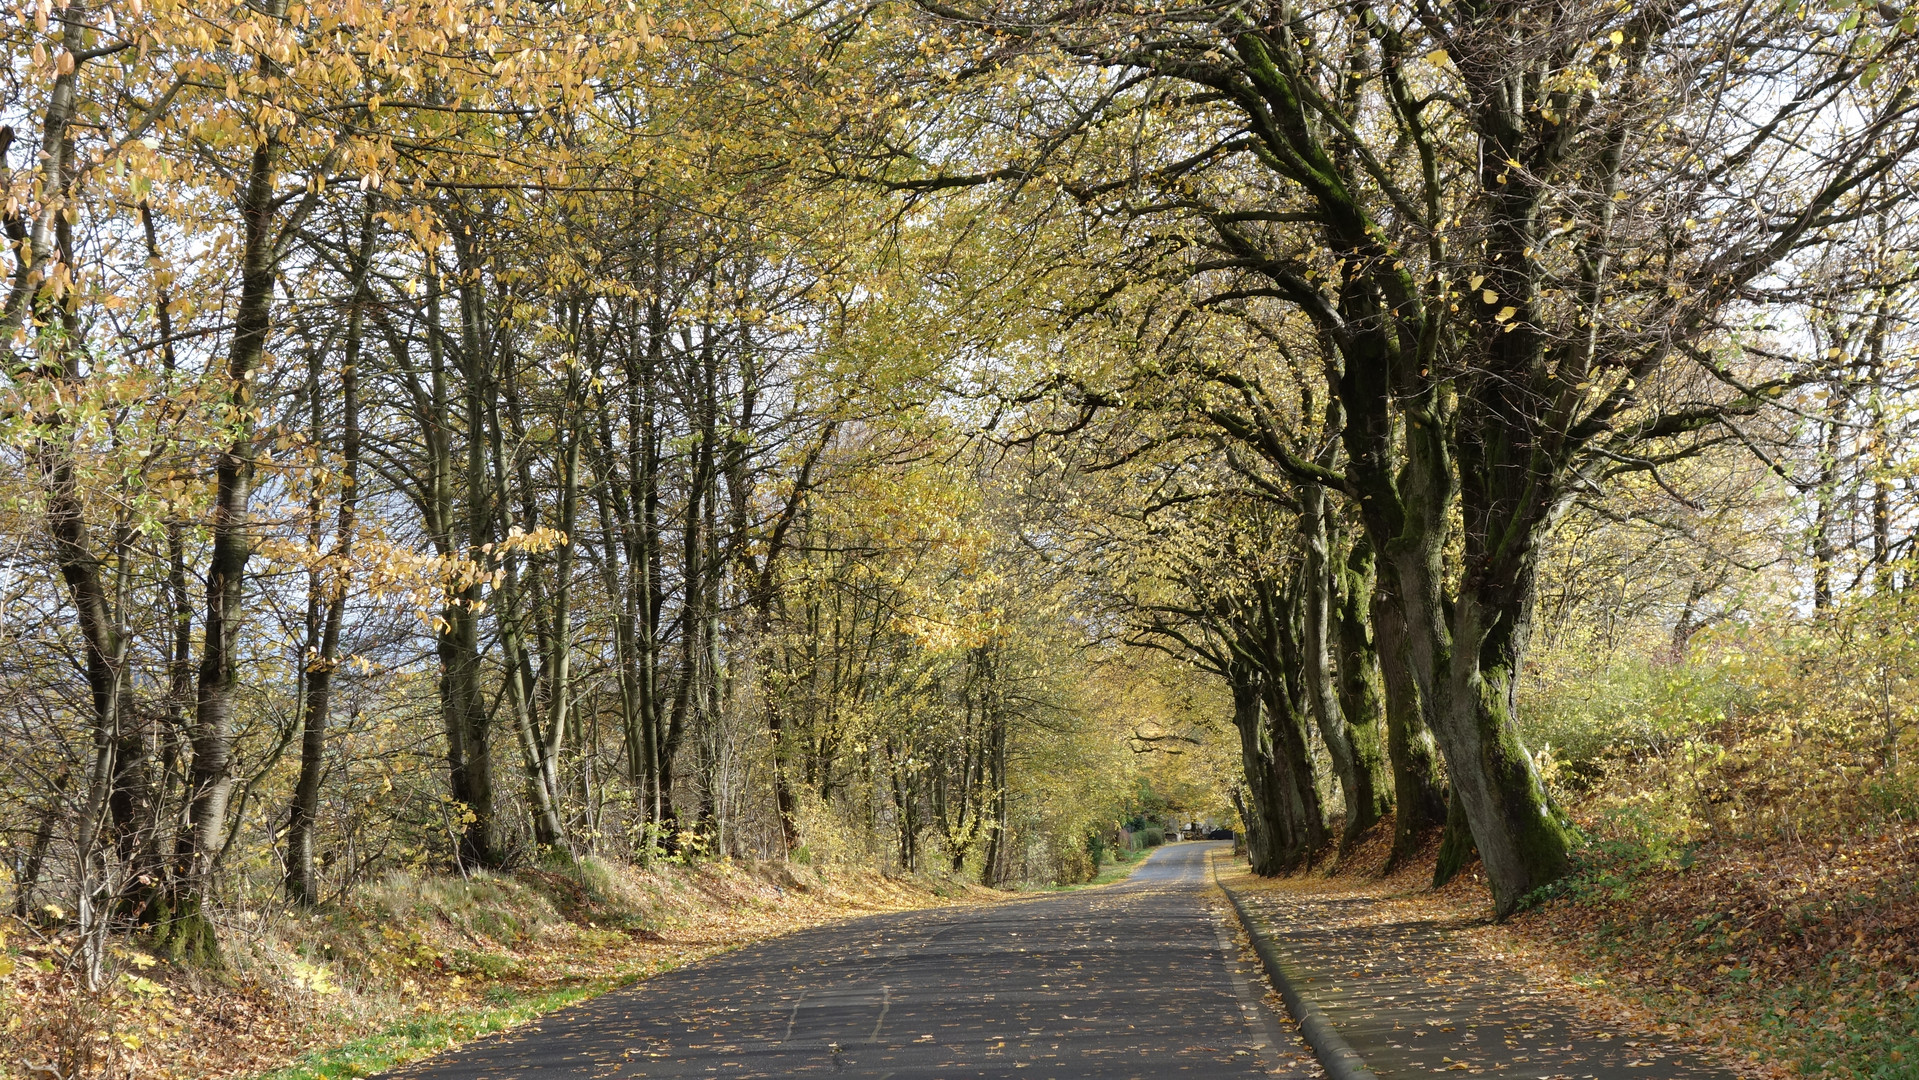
(1472, 661)
(1302, 816)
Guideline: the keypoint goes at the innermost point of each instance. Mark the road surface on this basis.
(1138, 979)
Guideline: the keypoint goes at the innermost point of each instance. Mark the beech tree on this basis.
(1518, 229)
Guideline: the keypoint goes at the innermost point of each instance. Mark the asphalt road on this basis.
(1139, 979)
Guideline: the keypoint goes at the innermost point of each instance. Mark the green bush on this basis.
(1072, 867)
(1634, 707)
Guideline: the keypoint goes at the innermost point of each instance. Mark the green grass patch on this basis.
(1846, 1033)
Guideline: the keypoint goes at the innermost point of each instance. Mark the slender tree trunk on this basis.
(37, 850)
(521, 690)
(1825, 510)
(1351, 741)
(187, 933)
(993, 869)
(617, 568)
(559, 718)
(117, 782)
(303, 812)
(520, 602)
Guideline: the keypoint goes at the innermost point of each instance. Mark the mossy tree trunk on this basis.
(1344, 703)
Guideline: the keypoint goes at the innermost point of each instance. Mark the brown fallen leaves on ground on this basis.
(1805, 952)
(1543, 945)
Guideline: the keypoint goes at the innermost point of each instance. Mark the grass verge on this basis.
(1807, 954)
(423, 1036)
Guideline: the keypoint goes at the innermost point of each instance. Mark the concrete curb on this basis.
(1335, 1054)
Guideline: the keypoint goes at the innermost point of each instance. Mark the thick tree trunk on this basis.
(1264, 810)
(469, 754)
(1521, 838)
(1455, 845)
(1419, 786)
(1302, 816)
(1466, 667)
(1361, 681)
(468, 721)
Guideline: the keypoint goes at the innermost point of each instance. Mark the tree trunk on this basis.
(520, 601)
(522, 693)
(468, 752)
(1263, 813)
(187, 932)
(559, 681)
(1455, 845)
(1352, 741)
(993, 870)
(1302, 816)
(36, 859)
(303, 812)
(1419, 786)
(1472, 661)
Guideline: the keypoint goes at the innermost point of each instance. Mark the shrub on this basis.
(1072, 866)
(1795, 730)
(1634, 708)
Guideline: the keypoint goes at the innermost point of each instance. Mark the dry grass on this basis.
(408, 966)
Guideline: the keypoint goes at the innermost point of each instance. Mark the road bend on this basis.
(1138, 979)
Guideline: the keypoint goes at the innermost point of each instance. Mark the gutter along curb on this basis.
(1335, 1054)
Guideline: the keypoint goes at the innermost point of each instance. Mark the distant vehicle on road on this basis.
(1220, 834)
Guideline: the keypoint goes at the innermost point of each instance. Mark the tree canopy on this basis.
(926, 434)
